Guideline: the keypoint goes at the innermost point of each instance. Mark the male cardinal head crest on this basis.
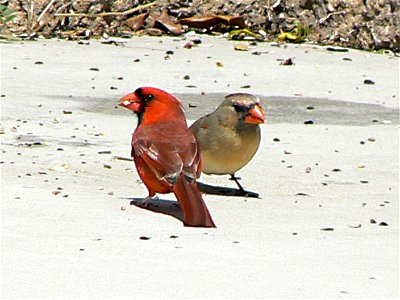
(247, 107)
(152, 104)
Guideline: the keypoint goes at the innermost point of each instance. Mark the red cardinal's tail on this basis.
(195, 212)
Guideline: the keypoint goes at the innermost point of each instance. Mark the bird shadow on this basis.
(225, 191)
(172, 208)
(162, 206)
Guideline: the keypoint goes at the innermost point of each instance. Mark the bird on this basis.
(230, 136)
(166, 152)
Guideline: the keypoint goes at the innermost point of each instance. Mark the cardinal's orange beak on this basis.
(131, 101)
(255, 115)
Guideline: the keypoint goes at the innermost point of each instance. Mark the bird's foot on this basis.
(236, 180)
(145, 202)
(241, 191)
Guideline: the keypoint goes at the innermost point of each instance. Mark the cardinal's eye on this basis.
(149, 97)
(238, 108)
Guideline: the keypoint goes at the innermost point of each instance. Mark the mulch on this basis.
(373, 25)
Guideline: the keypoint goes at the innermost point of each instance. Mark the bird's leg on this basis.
(236, 179)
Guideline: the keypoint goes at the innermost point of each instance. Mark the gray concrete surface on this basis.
(68, 229)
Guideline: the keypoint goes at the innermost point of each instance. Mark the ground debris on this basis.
(371, 25)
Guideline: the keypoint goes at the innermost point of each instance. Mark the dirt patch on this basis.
(362, 24)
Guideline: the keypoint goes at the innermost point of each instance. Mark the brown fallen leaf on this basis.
(165, 23)
(137, 22)
(202, 22)
(208, 22)
(233, 21)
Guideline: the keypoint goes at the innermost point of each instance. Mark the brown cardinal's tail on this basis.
(195, 212)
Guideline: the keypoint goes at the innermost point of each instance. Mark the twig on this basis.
(45, 11)
(111, 13)
(63, 6)
(322, 20)
(37, 22)
(29, 12)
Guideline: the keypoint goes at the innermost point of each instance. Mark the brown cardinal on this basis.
(166, 152)
(229, 137)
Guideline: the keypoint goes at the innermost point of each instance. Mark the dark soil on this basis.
(362, 24)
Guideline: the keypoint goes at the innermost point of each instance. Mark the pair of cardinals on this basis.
(169, 156)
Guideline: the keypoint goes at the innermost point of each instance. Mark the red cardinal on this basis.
(166, 153)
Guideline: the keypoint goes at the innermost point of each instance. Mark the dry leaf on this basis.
(164, 23)
(137, 22)
(207, 22)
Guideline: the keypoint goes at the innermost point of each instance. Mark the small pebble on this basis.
(327, 229)
(309, 122)
(383, 224)
(369, 81)
(287, 62)
(145, 238)
(101, 152)
(94, 69)
(337, 49)
(372, 221)
(355, 226)
(302, 194)
(186, 77)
